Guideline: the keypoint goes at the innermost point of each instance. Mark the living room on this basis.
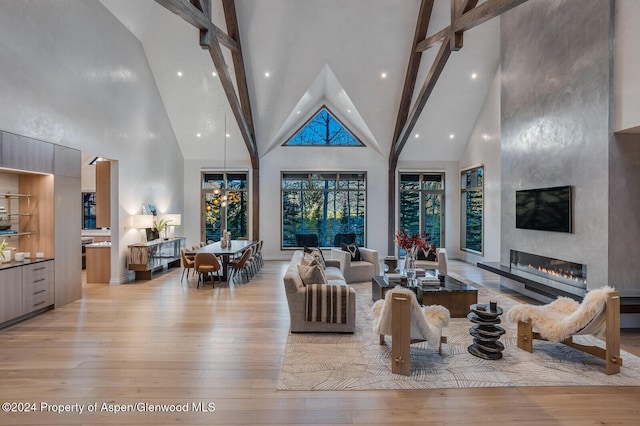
(552, 110)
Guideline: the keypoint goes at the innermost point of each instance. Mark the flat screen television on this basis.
(545, 209)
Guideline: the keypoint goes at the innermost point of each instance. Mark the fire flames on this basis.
(569, 276)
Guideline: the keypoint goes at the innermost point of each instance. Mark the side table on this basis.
(392, 263)
(486, 332)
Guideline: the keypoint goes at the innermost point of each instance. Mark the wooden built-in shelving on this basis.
(20, 214)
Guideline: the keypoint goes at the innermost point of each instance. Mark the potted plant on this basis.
(161, 226)
(4, 252)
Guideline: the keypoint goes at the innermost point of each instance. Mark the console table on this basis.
(146, 258)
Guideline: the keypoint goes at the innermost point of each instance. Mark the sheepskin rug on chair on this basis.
(427, 322)
(565, 317)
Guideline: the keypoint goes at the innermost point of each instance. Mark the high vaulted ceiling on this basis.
(315, 51)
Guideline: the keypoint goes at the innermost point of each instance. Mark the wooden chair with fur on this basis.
(560, 320)
(401, 316)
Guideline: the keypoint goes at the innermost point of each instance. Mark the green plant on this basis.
(161, 224)
(2, 247)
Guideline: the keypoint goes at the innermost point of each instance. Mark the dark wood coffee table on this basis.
(452, 294)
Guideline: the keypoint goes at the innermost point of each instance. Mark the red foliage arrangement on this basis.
(411, 244)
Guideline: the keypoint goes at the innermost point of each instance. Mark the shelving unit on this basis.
(19, 214)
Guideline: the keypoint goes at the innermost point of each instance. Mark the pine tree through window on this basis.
(323, 129)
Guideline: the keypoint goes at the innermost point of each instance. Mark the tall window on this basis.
(422, 205)
(323, 129)
(324, 204)
(89, 210)
(225, 200)
(472, 209)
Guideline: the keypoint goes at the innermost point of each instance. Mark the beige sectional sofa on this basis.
(296, 297)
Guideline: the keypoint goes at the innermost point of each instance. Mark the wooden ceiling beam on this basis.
(187, 11)
(231, 18)
(458, 8)
(427, 88)
(432, 40)
(199, 19)
(472, 16)
(190, 13)
(480, 14)
(198, 14)
(422, 25)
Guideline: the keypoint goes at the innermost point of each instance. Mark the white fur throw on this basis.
(564, 317)
(426, 321)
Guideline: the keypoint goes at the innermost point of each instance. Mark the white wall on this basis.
(73, 75)
(627, 66)
(484, 149)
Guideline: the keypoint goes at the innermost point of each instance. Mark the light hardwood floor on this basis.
(163, 342)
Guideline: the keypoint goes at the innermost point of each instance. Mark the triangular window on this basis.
(323, 129)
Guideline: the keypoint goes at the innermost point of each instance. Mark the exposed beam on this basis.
(422, 25)
(199, 19)
(429, 83)
(203, 5)
(432, 40)
(458, 8)
(227, 85)
(231, 19)
(190, 11)
(484, 12)
(225, 39)
(472, 16)
(465, 14)
(229, 7)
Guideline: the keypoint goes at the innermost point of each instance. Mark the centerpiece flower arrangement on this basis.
(411, 244)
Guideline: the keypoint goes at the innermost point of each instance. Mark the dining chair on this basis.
(241, 265)
(207, 264)
(187, 263)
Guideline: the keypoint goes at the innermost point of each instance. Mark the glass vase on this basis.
(410, 269)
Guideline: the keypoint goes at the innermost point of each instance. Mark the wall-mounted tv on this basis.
(545, 209)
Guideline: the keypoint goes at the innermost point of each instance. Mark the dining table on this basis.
(227, 253)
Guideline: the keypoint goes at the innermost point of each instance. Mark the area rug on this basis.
(316, 361)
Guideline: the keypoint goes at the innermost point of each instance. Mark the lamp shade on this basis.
(173, 219)
(142, 221)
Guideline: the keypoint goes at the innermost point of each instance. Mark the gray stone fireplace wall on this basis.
(555, 118)
(624, 216)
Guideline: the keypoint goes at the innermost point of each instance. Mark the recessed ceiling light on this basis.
(198, 135)
(383, 75)
(451, 136)
(417, 135)
(179, 73)
(348, 110)
(228, 135)
(474, 76)
(485, 136)
(214, 74)
(298, 112)
(266, 74)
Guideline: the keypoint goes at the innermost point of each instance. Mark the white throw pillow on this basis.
(311, 274)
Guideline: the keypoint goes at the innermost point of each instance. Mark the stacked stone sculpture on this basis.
(485, 331)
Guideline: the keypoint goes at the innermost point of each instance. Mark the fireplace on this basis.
(559, 274)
